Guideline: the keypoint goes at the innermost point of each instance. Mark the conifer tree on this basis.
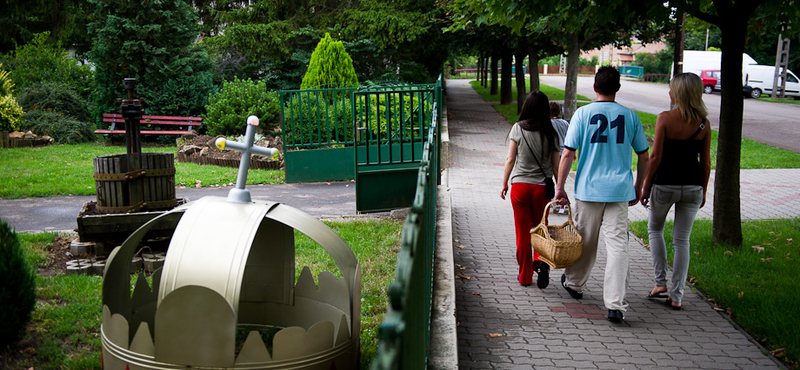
(152, 41)
(330, 66)
(17, 287)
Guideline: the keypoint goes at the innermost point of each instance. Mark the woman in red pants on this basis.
(532, 160)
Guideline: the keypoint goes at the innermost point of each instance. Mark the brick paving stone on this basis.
(574, 364)
(530, 360)
(530, 346)
(655, 356)
(616, 366)
(643, 342)
(553, 355)
(583, 344)
(514, 366)
(666, 364)
(642, 361)
(574, 350)
(543, 328)
(487, 357)
(477, 364)
(587, 357)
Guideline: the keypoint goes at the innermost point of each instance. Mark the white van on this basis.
(760, 78)
(697, 61)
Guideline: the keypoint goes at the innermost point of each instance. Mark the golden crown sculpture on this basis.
(230, 268)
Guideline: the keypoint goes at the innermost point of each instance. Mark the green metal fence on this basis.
(398, 137)
(318, 129)
(404, 334)
(391, 126)
(632, 71)
(318, 134)
(403, 337)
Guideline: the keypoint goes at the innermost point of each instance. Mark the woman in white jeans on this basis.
(680, 163)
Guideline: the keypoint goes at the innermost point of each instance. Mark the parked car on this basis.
(760, 79)
(711, 80)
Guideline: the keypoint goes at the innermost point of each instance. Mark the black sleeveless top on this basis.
(681, 161)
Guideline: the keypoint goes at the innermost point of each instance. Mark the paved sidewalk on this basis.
(546, 329)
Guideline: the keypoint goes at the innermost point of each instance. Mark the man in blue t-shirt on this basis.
(603, 133)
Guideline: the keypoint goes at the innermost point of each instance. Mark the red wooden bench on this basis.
(189, 122)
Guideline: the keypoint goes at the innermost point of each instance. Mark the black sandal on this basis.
(668, 302)
(657, 295)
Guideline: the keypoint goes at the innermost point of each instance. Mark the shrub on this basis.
(660, 62)
(10, 113)
(320, 120)
(63, 129)
(154, 42)
(375, 115)
(17, 287)
(6, 86)
(227, 111)
(38, 62)
(330, 66)
(309, 121)
(53, 97)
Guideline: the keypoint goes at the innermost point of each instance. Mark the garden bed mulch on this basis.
(19, 139)
(200, 149)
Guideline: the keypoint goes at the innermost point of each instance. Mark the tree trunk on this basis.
(493, 83)
(571, 88)
(520, 77)
(727, 212)
(485, 67)
(533, 66)
(505, 72)
(482, 69)
(677, 60)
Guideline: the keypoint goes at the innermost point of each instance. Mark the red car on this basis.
(710, 79)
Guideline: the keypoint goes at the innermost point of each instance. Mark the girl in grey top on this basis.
(532, 158)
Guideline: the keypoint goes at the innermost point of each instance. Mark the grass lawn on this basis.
(551, 92)
(754, 154)
(64, 330)
(757, 284)
(785, 101)
(69, 170)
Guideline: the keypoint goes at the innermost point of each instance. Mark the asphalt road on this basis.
(774, 124)
(61, 213)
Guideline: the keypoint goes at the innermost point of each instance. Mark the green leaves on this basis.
(40, 62)
(227, 111)
(10, 113)
(152, 41)
(6, 86)
(17, 287)
(330, 66)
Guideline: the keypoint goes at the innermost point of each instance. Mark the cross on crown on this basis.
(239, 194)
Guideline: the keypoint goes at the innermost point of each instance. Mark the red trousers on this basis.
(528, 201)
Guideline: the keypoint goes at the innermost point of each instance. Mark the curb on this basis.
(443, 351)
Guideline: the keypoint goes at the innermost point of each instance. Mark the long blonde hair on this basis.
(687, 90)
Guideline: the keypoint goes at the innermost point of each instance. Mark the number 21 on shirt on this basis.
(600, 136)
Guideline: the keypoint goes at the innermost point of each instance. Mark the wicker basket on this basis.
(558, 246)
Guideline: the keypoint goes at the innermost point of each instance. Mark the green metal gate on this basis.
(404, 334)
(317, 128)
(395, 134)
(391, 125)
